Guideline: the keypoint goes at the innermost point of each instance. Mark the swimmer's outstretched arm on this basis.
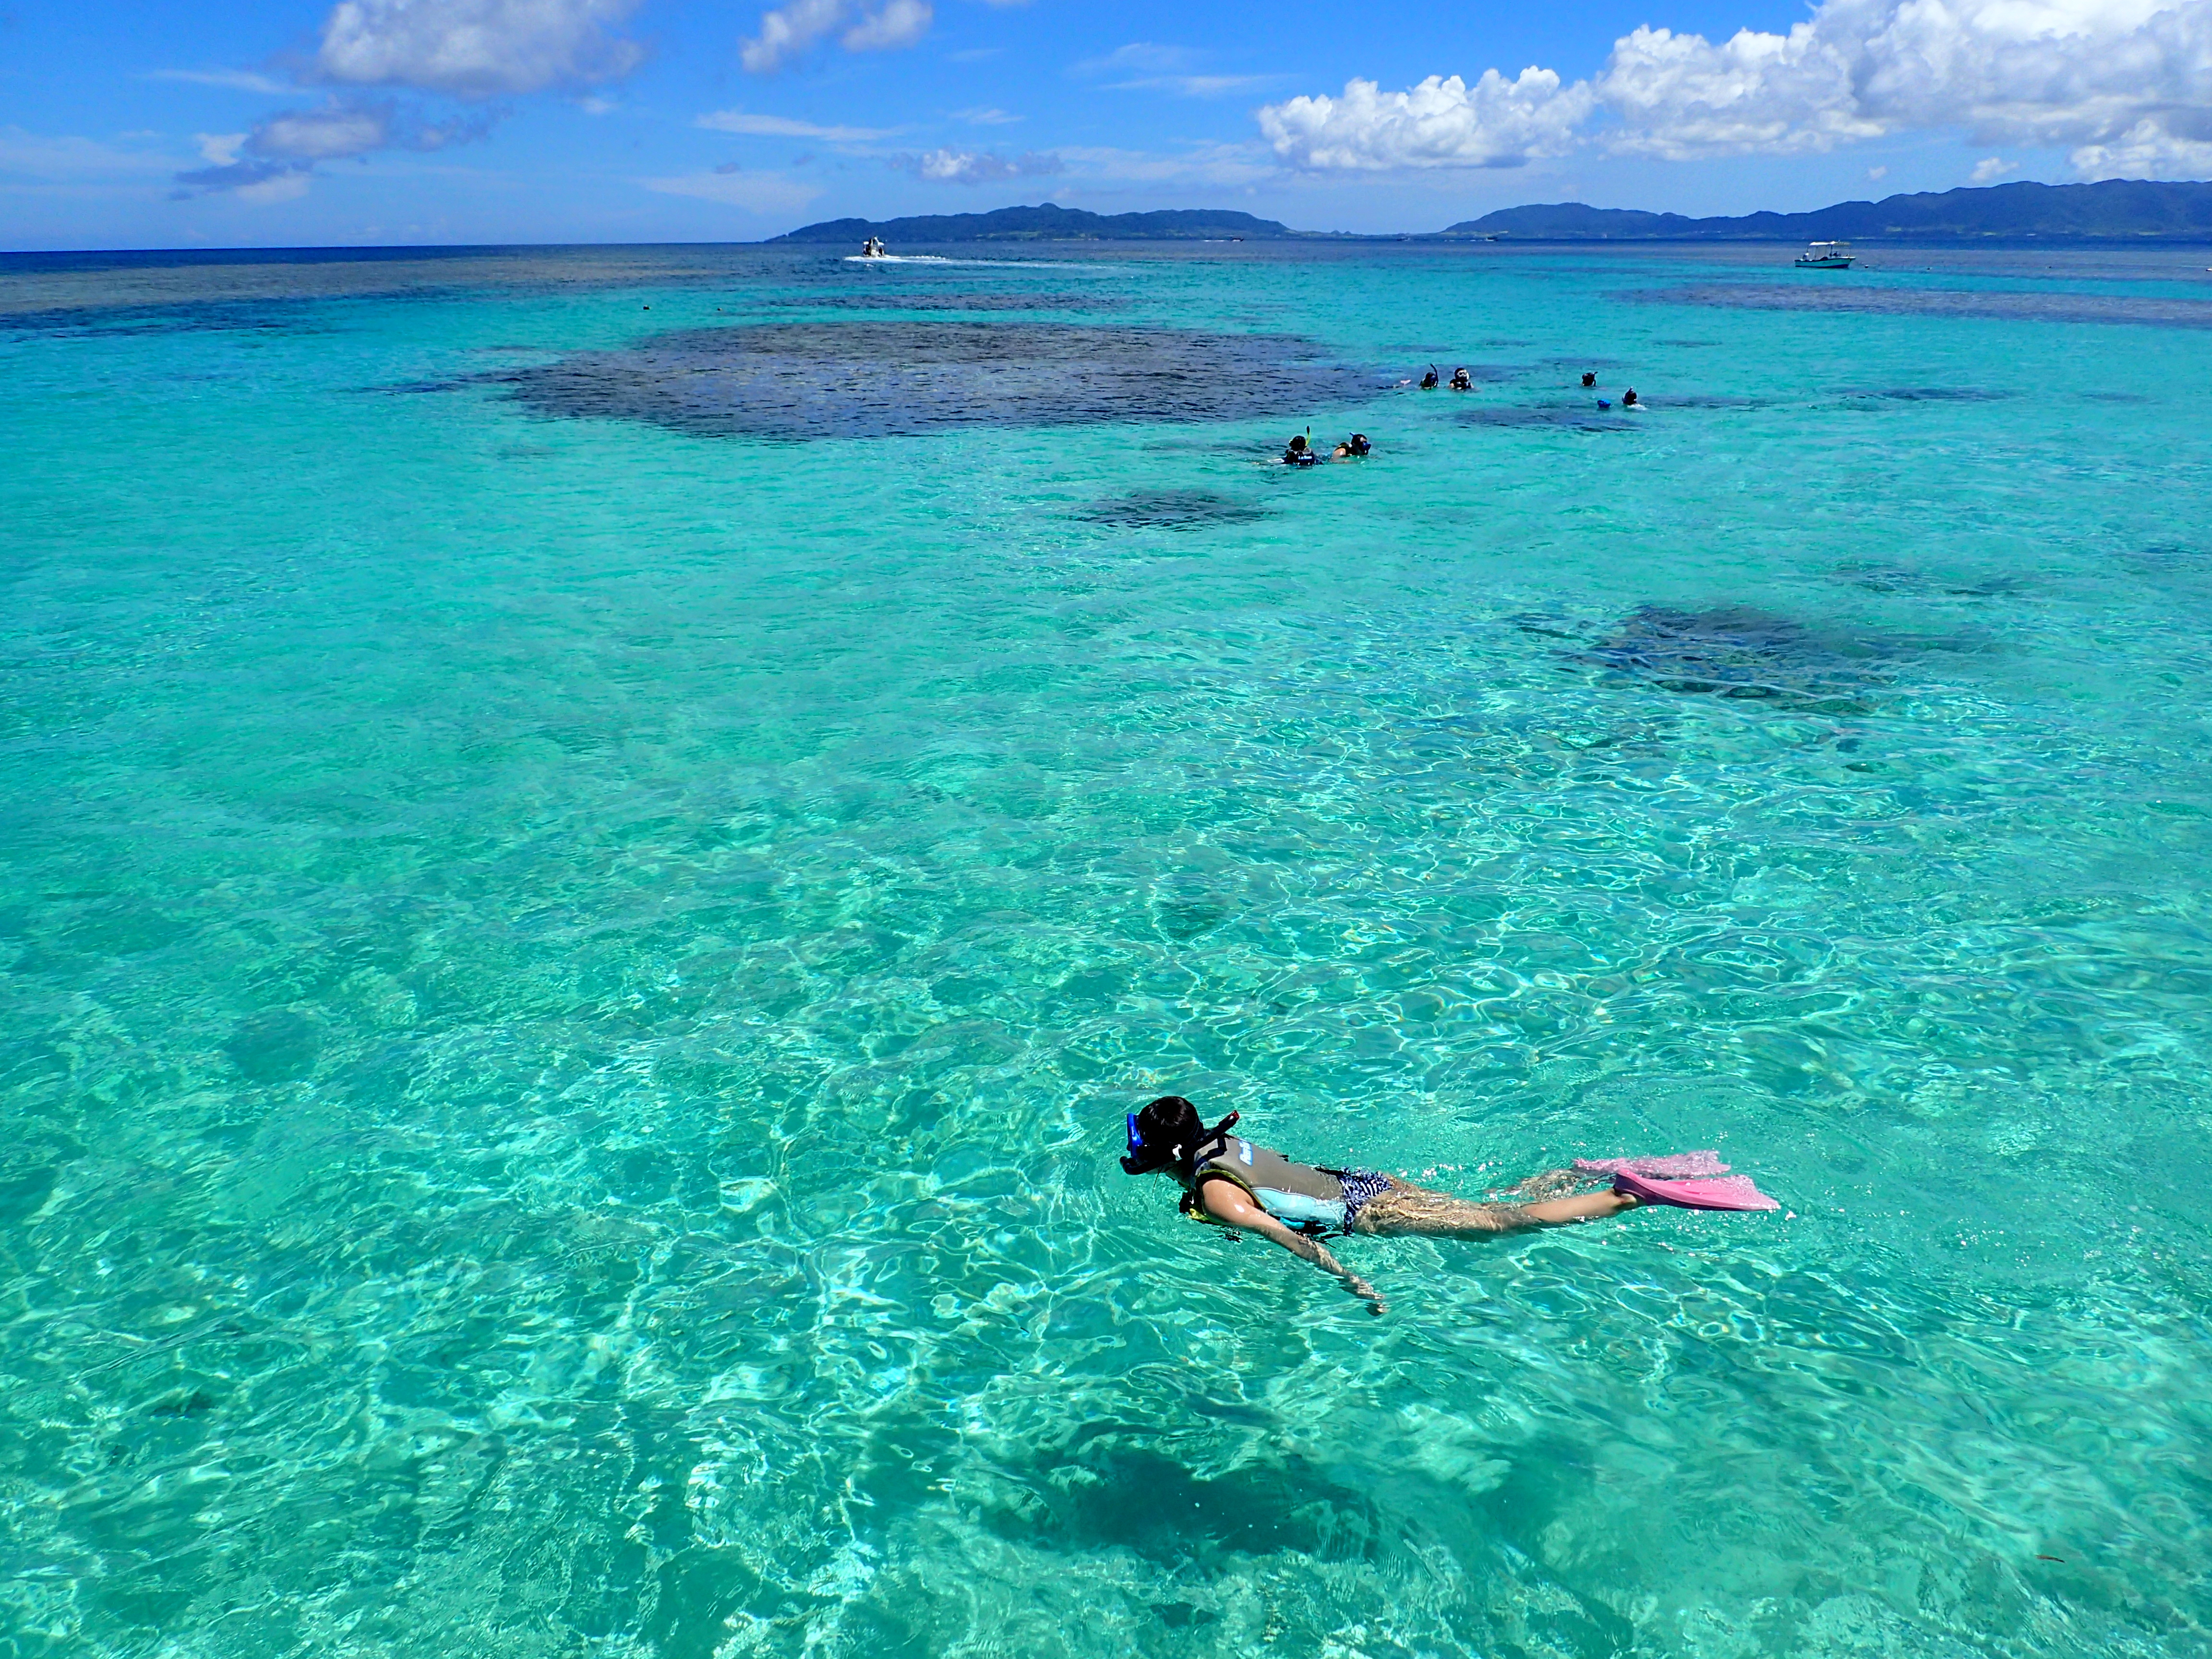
(1226, 1201)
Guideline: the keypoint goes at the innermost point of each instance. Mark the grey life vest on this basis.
(1299, 1196)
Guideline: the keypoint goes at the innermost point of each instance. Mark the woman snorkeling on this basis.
(1232, 1183)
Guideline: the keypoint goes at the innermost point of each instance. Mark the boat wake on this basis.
(993, 264)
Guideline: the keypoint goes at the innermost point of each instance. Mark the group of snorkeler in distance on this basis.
(1462, 381)
(1628, 400)
(1300, 451)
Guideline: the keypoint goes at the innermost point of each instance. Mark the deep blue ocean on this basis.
(594, 843)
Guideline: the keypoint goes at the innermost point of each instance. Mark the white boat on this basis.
(872, 248)
(1825, 255)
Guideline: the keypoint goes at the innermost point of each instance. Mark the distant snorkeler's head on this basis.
(1161, 1136)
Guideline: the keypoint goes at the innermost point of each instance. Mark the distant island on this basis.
(1047, 222)
(2118, 209)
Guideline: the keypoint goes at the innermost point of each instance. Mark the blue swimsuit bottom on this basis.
(1326, 1215)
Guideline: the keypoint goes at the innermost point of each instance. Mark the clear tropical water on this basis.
(568, 979)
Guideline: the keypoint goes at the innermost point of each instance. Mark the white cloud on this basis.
(777, 126)
(470, 48)
(1148, 66)
(1190, 86)
(341, 130)
(2125, 84)
(477, 48)
(262, 181)
(755, 192)
(1991, 168)
(2149, 149)
(899, 23)
(788, 31)
(289, 144)
(984, 116)
(960, 167)
(266, 178)
(229, 80)
(278, 187)
(329, 134)
(1145, 55)
(1677, 96)
(1495, 123)
(1875, 175)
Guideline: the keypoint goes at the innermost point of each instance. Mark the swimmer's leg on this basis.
(1552, 1183)
(1405, 1208)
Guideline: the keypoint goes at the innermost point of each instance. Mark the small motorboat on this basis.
(1825, 255)
(872, 248)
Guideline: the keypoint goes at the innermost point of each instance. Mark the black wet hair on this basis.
(1172, 1132)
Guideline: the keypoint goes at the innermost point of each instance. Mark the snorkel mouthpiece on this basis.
(1135, 1162)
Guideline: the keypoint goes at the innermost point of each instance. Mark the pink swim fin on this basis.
(1718, 1193)
(1672, 1166)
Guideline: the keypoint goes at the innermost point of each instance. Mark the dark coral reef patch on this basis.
(797, 381)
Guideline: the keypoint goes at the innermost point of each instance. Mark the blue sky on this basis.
(297, 122)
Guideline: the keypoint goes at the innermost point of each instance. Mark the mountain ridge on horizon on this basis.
(2130, 209)
(1047, 221)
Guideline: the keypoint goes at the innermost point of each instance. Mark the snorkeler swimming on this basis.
(1233, 1182)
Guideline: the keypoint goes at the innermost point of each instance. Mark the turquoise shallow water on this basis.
(569, 987)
